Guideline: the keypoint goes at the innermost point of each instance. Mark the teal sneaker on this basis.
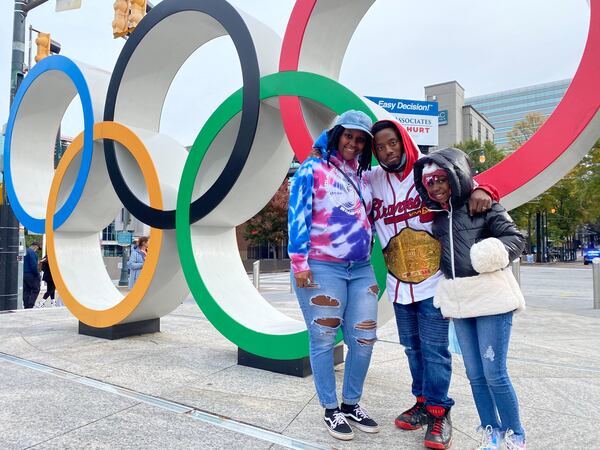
(489, 438)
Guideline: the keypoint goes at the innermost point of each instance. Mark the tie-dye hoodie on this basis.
(326, 217)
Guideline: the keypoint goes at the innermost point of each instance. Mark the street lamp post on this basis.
(481, 157)
(9, 225)
(545, 255)
(538, 237)
(124, 278)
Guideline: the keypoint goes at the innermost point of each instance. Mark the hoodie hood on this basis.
(458, 166)
(410, 150)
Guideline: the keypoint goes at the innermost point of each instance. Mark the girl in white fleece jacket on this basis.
(479, 292)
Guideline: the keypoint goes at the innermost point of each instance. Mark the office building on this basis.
(504, 109)
(457, 122)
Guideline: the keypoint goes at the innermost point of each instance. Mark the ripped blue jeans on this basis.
(346, 297)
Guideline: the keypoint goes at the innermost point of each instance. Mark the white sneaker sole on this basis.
(340, 436)
(362, 427)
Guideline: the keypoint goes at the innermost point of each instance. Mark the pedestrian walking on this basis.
(50, 287)
(137, 259)
(31, 276)
(479, 291)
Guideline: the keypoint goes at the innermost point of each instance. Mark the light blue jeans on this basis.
(484, 344)
(346, 297)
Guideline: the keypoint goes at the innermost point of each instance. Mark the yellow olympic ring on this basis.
(123, 306)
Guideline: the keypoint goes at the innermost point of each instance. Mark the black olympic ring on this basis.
(235, 26)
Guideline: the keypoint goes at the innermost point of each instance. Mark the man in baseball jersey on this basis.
(412, 255)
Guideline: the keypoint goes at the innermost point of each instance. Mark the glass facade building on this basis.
(504, 109)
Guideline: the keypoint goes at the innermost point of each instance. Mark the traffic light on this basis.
(43, 46)
(120, 23)
(137, 13)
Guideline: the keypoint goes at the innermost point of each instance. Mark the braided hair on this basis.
(364, 160)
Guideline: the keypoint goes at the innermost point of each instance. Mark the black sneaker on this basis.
(439, 428)
(414, 417)
(359, 417)
(337, 425)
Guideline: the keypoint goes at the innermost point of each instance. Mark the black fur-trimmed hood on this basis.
(458, 166)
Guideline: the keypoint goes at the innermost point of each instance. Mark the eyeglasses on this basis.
(391, 143)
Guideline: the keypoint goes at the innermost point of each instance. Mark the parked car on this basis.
(590, 254)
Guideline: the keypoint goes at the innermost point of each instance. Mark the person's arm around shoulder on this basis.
(300, 222)
(505, 244)
(482, 197)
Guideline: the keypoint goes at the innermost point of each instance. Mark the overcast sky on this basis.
(399, 47)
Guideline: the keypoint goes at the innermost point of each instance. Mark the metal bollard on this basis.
(596, 272)
(516, 269)
(256, 274)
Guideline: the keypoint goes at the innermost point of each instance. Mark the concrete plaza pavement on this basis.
(182, 388)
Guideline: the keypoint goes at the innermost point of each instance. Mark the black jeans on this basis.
(31, 289)
(50, 289)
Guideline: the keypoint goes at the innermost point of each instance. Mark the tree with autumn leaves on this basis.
(572, 204)
(269, 226)
(523, 130)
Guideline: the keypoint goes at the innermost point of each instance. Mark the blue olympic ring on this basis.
(65, 65)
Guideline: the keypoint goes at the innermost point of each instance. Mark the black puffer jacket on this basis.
(455, 228)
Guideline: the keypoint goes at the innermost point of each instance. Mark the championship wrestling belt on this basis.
(412, 256)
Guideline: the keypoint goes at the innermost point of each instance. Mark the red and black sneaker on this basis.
(414, 417)
(439, 428)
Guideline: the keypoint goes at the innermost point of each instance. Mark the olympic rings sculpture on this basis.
(194, 201)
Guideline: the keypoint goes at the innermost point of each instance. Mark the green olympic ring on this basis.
(302, 84)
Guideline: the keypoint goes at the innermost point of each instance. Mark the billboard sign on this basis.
(418, 117)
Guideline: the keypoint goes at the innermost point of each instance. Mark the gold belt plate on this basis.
(413, 256)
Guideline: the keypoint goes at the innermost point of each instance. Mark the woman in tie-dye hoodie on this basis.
(330, 246)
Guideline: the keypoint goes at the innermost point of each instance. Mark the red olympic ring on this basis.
(535, 164)
(562, 129)
(291, 111)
